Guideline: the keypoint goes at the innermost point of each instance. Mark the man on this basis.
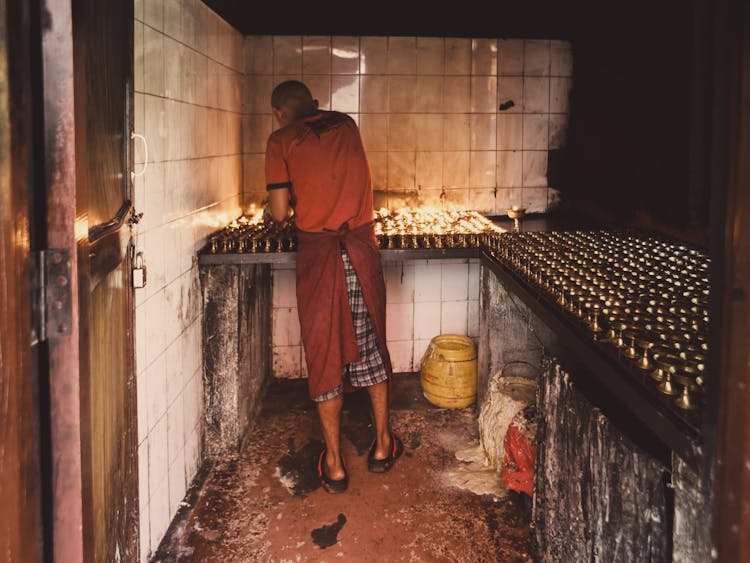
(316, 163)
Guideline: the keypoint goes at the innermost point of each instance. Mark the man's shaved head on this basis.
(291, 93)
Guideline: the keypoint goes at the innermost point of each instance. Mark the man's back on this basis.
(321, 160)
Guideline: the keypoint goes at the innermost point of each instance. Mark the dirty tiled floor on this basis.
(267, 505)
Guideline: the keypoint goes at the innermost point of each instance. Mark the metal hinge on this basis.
(51, 298)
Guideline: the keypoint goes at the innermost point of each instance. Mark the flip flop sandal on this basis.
(384, 465)
(331, 485)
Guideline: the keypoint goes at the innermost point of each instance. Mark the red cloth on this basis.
(518, 465)
(323, 304)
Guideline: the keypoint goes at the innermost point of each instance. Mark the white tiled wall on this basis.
(425, 298)
(428, 110)
(188, 83)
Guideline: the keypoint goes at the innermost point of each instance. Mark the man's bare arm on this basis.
(279, 200)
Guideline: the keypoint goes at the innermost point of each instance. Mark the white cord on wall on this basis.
(134, 136)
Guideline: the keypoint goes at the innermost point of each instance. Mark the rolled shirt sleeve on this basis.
(277, 172)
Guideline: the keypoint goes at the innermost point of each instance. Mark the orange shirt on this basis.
(321, 160)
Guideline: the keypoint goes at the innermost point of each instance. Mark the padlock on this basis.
(139, 271)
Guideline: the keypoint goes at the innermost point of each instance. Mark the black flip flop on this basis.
(384, 465)
(331, 485)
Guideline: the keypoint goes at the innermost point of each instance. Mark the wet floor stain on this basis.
(296, 469)
(328, 534)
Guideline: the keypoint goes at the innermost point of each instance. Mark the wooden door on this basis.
(103, 67)
(20, 517)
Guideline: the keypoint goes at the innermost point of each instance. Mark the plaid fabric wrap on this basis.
(370, 369)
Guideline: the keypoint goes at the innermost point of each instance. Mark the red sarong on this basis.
(323, 304)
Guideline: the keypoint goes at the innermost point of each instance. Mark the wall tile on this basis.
(284, 288)
(510, 57)
(456, 169)
(401, 134)
(373, 55)
(506, 198)
(510, 90)
(509, 169)
(153, 62)
(286, 328)
(345, 55)
(455, 279)
(399, 282)
(138, 64)
(427, 282)
(473, 319)
(402, 94)
(483, 94)
(429, 171)
(429, 94)
(157, 455)
(426, 320)
(420, 346)
(454, 319)
(474, 267)
(561, 58)
(535, 131)
(159, 513)
(558, 131)
(173, 19)
(153, 14)
(176, 434)
(320, 88)
(509, 132)
(143, 498)
(482, 169)
(534, 169)
(286, 361)
(316, 55)
(484, 56)
(259, 54)
(482, 200)
(156, 391)
(402, 55)
(401, 170)
(256, 129)
(345, 93)
(138, 10)
(177, 487)
(536, 95)
(483, 131)
(374, 131)
(429, 132)
(456, 132)
(399, 321)
(535, 199)
(430, 55)
(560, 94)
(536, 57)
(261, 88)
(401, 355)
(456, 94)
(287, 55)
(374, 94)
(378, 161)
(457, 56)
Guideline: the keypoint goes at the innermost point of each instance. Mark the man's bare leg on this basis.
(379, 398)
(330, 419)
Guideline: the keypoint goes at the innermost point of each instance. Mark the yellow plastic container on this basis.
(449, 371)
